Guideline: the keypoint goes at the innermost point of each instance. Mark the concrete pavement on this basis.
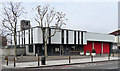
(58, 62)
(33, 58)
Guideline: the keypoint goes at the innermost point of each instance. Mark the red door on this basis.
(106, 48)
(88, 47)
(97, 47)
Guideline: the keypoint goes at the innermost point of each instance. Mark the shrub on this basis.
(81, 51)
(93, 51)
(87, 51)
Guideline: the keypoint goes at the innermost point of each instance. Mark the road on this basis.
(98, 65)
(88, 66)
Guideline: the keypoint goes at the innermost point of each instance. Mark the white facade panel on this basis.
(37, 35)
(116, 39)
(8, 39)
(26, 37)
(84, 38)
(17, 38)
(12, 39)
(76, 37)
(70, 37)
(56, 39)
(27, 50)
(99, 37)
(79, 37)
(30, 37)
(21, 38)
(64, 36)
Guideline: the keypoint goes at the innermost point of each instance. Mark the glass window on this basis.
(57, 49)
(73, 48)
(31, 48)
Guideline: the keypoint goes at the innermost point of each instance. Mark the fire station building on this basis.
(65, 42)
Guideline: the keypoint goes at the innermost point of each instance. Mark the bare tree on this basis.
(47, 17)
(11, 13)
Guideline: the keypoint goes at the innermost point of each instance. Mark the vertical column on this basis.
(49, 37)
(92, 45)
(0, 59)
(31, 36)
(62, 36)
(24, 38)
(67, 37)
(11, 39)
(78, 37)
(82, 38)
(102, 48)
(60, 49)
(74, 37)
(19, 37)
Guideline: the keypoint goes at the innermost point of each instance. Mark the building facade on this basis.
(24, 25)
(116, 46)
(64, 42)
(3, 41)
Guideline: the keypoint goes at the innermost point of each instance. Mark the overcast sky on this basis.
(98, 17)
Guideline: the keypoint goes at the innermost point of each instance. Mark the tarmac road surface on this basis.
(98, 66)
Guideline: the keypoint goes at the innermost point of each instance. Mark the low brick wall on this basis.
(11, 51)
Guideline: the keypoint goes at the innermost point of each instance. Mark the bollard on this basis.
(43, 60)
(21, 56)
(38, 60)
(109, 56)
(14, 62)
(36, 55)
(91, 58)
(7, 60)
(69, 59)
(113, 54)
(100, 53)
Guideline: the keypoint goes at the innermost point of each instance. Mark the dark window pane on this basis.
(31, 48)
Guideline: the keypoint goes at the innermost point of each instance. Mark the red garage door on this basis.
(106, 48)
(97, 47)
(88, 47)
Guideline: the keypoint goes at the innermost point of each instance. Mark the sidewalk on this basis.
(59, 62)
(49, 58)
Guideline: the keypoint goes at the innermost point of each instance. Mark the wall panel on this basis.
(106, 48)
(99, 37)
(17, 38)
(70, 37)
(26, 37)
(77, 37)
(84, 38)
(97, 47)
(56, 39)
(65, 37)
(88, 47)
(37, 35)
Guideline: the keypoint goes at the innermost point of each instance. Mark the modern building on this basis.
(3, 41)
(65, 42)
(117, 39)
(25, 24)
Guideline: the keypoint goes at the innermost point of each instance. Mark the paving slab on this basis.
(58, 62)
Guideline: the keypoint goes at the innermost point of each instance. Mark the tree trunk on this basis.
(45, 49)
(15, 42)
